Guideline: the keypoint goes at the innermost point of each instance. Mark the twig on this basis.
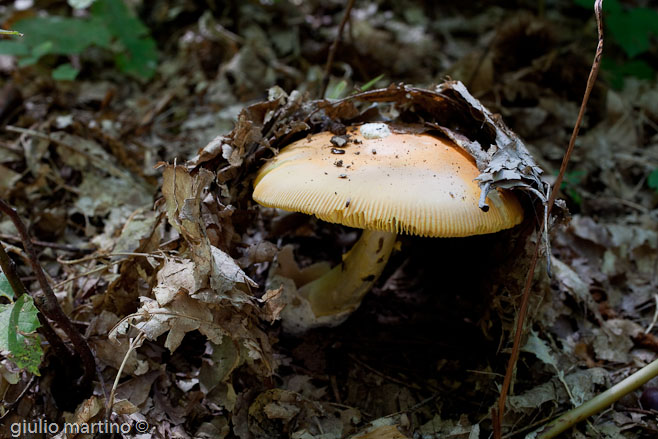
(497, 415)
(53, 245)
(599, 402)
(534, 424)
(551, 201)
(10, 32)
(596, 64)
(89, 272)
(10, 406)
(48, 304)
(655, 316)
(334, 47)
(417, 406)
(134, 344)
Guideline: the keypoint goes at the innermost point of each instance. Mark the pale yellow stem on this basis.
(343, 287)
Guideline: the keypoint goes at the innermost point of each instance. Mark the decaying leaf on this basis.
(381, 432)
(212, 267)
(278, 410)
(179, 316)
(540, 349)
(438, 428)
(225, 358)
(582, 385)
(274, 304)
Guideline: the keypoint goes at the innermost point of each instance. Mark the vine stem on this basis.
(48, 304)
(511, 365)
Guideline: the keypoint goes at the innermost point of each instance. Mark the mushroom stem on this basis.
(343, 287)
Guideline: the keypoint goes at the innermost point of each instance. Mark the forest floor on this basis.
(136, 191)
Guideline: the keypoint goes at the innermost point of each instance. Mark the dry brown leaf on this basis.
(274, 304)
(383, 432)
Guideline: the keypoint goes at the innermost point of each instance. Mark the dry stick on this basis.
(53, 245)
(8, 407)
(497, 415)
(334, 47)
(48, 304)
(599, 402)
(134, 344)
(551, 200)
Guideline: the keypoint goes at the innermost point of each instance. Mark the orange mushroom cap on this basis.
(391, 181)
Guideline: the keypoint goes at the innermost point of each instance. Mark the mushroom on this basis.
(384, 181)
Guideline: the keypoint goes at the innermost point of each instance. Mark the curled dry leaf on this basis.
(501, 157)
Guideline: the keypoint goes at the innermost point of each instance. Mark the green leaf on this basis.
(570, 185)
(18, 323)
(65, 35)
(616, 73)
(140, 56)
(372, 82)
(5, 289)
(119, 19)
(65, 72)
(42, 49)
(652, 181)
(112, 26)
(140, 60)
(27, 61)
(632, 29)
(16, 47)
(336, 92)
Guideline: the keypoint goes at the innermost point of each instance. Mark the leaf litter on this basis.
(196, 275)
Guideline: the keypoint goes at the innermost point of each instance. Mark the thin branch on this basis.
(599, 402)
(48, 304)
(596, 64)
(655, 316)
(511, 364)
(551, 201)
(334, 47)
(53, 245)
(134, 344)
(10, 406)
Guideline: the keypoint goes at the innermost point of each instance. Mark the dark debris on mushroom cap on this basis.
(415, 183)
